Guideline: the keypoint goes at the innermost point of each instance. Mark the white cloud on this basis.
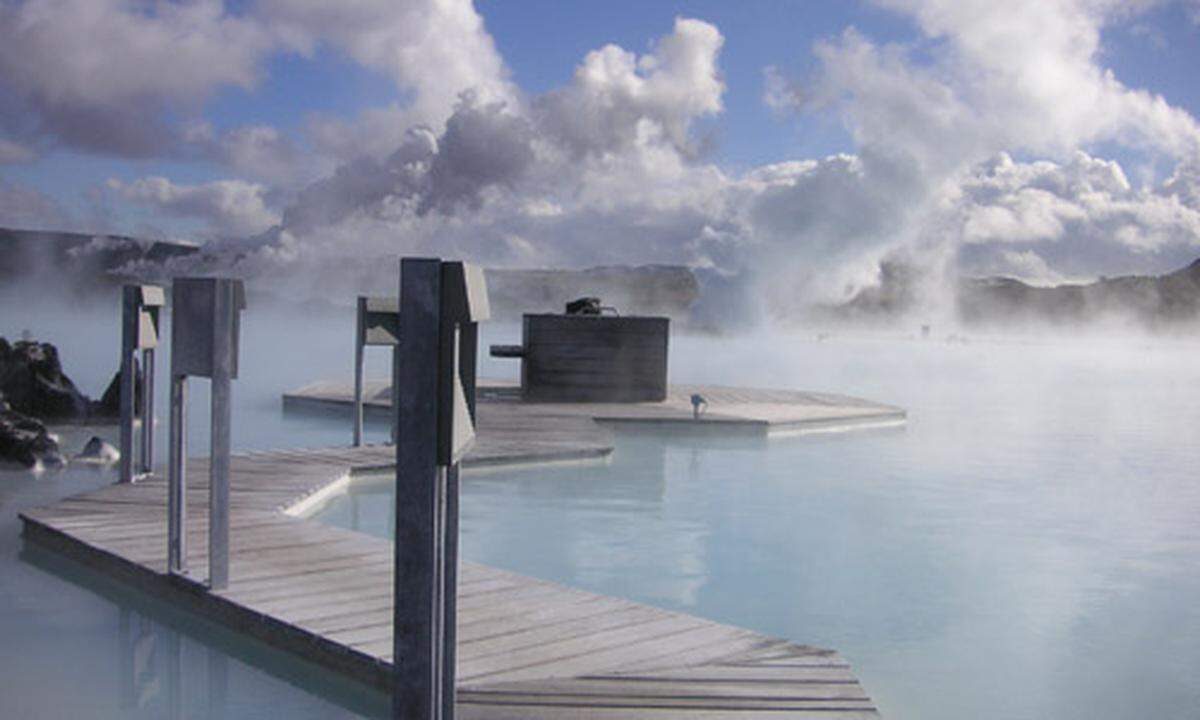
(1085, 197)
(432, 51)
(230, 207)
(616, 96)
(99, 74)
(779, 93)
(116, 76)
(604, 170)
(607, 168)
(260, 152)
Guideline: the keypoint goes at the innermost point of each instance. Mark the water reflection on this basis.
(152, 675)
(120, 653)
(1034, 527)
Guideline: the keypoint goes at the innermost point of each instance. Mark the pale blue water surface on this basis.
(1027, 547)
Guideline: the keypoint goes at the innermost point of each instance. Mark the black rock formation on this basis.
(33, 383)
(24, 440)
(109, 404)
(98, 451)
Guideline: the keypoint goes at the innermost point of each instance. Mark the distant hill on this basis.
(78, 264)
(76, 261)
(1154, 301)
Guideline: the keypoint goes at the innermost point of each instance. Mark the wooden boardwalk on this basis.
(527, 648)
(749, 409)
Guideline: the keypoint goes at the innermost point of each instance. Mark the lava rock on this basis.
(25, 440)
(98, 451)
(109, 404)
(33, 383)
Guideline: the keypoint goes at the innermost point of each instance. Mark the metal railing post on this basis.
(204, 342)
(224, 307)
(140, 305)
(434, 403)
(147, 454)
(177, 478)
(360, 341)
(130, 295)
(416, 621)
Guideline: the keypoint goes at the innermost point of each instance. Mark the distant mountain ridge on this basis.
(1155, 300)
(77, 261)
(79, 264)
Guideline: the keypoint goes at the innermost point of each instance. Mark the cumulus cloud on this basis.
(229, 207)
(115, 76)
(260, 152)
(984, 80)
(1080, 215)
(542, 178)
(436, 48)
(615, 95)
(100, 75)
(608, 167)
(605, 170)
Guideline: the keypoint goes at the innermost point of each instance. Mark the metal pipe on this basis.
(147, 464)
(177, 478)
(360, 339)
(450, 592)
(417, 677)
(129, 326)
(221, 417)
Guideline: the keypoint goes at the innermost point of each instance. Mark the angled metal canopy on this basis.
(378, 323)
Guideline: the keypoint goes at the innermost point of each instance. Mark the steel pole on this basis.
(177, 478)
(218, 486)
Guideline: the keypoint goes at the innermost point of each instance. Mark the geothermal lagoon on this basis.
(1026, 547)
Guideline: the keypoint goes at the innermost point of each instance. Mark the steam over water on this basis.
(1026, 548)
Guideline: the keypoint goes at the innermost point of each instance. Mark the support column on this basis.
(417, 634)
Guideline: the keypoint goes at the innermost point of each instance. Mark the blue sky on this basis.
(266, 105)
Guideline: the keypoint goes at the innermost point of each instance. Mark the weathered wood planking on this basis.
(753, 410)
(527, 648)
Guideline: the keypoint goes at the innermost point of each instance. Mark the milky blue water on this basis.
(1028, 547)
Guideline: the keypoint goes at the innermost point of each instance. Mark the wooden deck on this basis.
(747, 409)
(527, 648)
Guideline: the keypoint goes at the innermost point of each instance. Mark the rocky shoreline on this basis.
(34, 390)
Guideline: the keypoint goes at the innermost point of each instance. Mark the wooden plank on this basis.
(527, 648)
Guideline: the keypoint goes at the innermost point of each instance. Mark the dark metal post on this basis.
(360, 341)
(147, 464)
(177, 476)
(416, 622)
(130, 297)
(224, 307)
(140, 305)
(435, 374)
